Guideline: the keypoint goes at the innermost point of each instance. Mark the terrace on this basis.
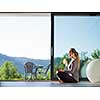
(46, 84)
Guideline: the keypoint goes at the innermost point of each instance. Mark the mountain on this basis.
(20, 61)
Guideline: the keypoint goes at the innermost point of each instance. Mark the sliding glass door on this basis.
(25, 40)
(76, 31)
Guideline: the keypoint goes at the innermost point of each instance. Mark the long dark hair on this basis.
(72, 50)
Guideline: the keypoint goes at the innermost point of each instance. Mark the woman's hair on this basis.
(72, 50)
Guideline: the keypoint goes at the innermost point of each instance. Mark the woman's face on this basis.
(70, 54)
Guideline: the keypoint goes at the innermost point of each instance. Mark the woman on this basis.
(71, 72)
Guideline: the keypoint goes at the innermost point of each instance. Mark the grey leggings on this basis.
(65, 77)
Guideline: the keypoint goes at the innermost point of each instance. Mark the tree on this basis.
(83, 60)
(59, 62)
(96, 54)
(8, 71)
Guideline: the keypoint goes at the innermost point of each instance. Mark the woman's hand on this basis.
(65, 62)
(61, 70)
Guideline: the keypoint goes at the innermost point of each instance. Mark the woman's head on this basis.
(74, 54)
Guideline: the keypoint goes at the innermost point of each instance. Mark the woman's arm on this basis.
(65, 62)
(74, 66)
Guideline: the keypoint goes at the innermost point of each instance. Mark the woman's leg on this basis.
(65, 77)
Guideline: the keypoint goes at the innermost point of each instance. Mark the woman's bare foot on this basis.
(60, 81)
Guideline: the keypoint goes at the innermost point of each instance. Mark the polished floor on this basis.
(46, 84)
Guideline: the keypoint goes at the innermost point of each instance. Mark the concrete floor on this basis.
(46, 84)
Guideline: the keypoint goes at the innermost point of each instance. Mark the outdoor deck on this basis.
(46, 84)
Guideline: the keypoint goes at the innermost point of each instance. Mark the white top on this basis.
(68, 65)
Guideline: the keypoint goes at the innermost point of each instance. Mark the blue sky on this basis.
(80, 32)
(25, 36)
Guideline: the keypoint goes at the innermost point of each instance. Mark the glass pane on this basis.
(79, 32)
(24, 37)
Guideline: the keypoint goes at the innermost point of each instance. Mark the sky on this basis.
(80, 32)
(25, 36)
